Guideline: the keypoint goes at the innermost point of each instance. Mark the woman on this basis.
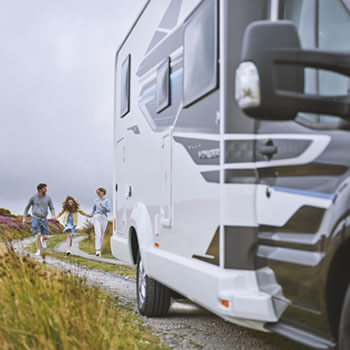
(70, 209)
(100, 210)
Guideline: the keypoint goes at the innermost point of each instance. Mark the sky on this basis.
(56, 96)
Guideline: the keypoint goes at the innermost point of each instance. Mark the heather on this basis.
(11, 226)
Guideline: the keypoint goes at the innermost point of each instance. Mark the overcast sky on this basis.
(56, 96)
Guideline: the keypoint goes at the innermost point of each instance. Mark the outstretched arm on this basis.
(82, 212)
(52, 209)
(93, 209)
(60, 213)
(30, 203)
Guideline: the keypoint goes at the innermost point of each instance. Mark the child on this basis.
(70, 209)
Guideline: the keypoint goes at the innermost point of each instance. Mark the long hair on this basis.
(72, 208)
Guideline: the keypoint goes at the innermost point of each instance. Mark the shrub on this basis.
(5, 212)
(11, 227)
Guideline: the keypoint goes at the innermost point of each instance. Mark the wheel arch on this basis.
(140, 231)
(134, 245)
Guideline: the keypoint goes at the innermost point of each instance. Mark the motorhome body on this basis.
(210, 203)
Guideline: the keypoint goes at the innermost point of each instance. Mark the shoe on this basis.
(98, 254)
(68, 252)
(37, 253)
(43, 243)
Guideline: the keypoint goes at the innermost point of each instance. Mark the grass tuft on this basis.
(42, 308)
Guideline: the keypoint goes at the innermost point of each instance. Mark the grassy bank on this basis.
(45, 309)
(91, 264)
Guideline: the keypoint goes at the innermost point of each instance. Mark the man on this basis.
(40, 203)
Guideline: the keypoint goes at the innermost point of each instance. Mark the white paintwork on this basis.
(238, 198)
(285, 204)
(274, 7)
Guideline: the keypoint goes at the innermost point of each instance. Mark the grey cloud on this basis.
(56, 96)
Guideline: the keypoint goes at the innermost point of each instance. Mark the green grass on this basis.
(89, 263)
(42, 308)
(88, 246)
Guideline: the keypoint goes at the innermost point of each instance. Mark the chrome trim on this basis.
(274, 10)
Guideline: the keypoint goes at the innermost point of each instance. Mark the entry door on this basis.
(166, 209)
(120, 185)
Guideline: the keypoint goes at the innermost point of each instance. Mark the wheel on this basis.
(153, 299)
(344, 326)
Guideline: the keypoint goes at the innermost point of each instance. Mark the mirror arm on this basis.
(332, 61)
(331, 105)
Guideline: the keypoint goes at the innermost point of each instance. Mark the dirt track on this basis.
(186, 327)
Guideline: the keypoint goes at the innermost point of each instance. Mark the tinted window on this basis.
(163, 86)
(125, 87)
(200, 52)
(322, 24)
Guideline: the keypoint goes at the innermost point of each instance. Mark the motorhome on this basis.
(231, 165)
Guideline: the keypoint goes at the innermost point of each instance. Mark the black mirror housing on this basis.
(274, 49)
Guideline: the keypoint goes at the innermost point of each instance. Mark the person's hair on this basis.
(67, 207)
(40, 186)
(102, 190)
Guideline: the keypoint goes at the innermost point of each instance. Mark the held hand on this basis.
(90, 216)
(54, 218)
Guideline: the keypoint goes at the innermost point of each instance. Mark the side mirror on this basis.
(270, 78)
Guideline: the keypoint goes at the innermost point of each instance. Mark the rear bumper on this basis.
(208, 285)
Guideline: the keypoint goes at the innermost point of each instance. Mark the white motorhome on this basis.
(246, 216)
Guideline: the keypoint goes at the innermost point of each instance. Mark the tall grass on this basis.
(42, 308)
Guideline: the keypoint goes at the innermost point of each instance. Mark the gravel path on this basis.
(186, 327)
(61, 247)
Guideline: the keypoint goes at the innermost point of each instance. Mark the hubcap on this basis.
(141, 283)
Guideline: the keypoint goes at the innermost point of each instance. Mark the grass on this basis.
(88, 246)
(91, 264)
(42, 308)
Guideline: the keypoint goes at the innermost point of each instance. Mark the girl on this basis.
(70, 209)
(100, 211)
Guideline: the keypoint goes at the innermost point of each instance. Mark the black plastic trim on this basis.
(300, 335)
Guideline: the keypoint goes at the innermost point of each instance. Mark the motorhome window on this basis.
(200, 52)
(322, 24)
(125, 87)
(163, 86)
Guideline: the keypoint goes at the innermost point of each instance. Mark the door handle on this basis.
(268, 149)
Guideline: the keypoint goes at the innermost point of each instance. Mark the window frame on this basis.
(125, 74)
(162, 105)
(214, 83)
(300, 118)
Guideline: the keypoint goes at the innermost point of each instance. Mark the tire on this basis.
(344, 326)
(153, 299)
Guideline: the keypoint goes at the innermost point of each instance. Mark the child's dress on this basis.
(69, 225)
